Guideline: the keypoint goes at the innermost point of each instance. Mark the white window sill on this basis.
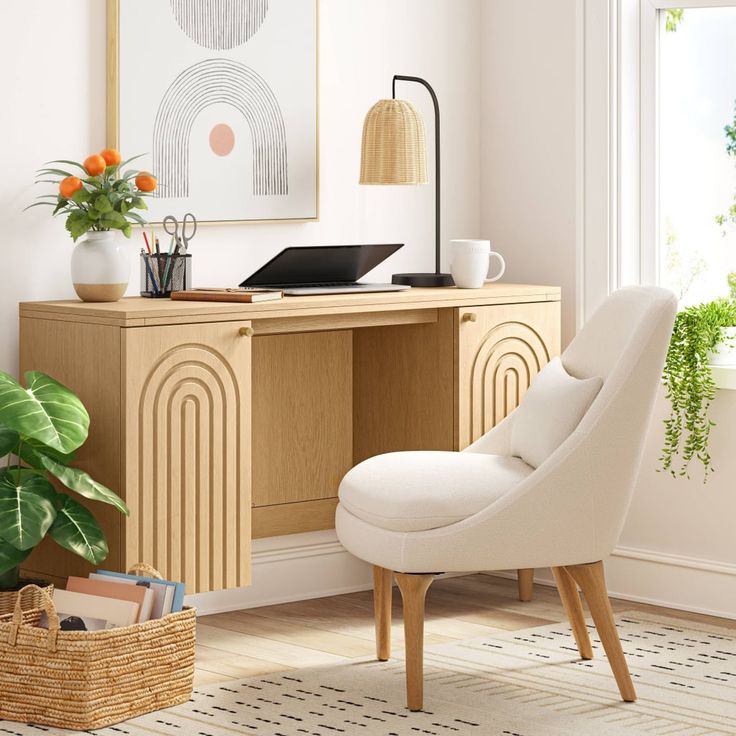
(724, 376)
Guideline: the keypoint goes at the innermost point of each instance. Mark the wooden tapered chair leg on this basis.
(570, 598)
(525, 581)
(592, 582)
(413, 591)
(382, 580)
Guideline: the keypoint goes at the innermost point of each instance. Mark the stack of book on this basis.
(107, 600)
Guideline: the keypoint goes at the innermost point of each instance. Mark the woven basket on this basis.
(31, 598)
(84, 680)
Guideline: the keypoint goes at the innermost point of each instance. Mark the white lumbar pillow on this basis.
(552, 408)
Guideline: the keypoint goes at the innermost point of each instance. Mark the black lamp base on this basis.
(423, 279)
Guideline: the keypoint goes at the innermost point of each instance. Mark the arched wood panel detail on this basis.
(506, 361)
(500, 349)
(189, 487)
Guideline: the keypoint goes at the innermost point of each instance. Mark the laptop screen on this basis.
(321, 264)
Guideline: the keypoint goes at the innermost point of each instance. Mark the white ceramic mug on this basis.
(471, 260)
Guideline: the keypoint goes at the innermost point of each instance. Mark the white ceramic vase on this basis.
(101, 266)
(725, 352)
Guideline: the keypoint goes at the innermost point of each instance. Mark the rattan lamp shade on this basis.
(394, 149)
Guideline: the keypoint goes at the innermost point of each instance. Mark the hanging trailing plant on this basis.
(689, 384)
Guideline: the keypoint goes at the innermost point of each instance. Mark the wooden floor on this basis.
(260, 641)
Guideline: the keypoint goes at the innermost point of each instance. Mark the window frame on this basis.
(618, 217)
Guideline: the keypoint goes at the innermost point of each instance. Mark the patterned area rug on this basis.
(523, 683)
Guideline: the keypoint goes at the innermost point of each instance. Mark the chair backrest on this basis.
(624, 342)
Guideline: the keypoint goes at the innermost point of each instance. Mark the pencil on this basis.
(148, 247)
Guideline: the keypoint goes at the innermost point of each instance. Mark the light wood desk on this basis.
(218, 423)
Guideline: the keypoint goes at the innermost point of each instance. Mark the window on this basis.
(695, 159)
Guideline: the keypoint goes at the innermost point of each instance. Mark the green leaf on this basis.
(140, 203)
(81, 482)
(81, 195)
(127, 231)
(66, 161)
(11, 557)
(78, 223)
(38, 204)
(75, 529)
(60, 206)
(93, 214)
(46, 411)
(8, 441)
(27, 508)
(136, 218)
(133, 158)
(103, 204)
(32, 453)
(57, 172)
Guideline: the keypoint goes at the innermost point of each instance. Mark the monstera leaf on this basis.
(75, 529)
(27, 508)
(81, 482)
(11, 557)
(8, 440)
(46, 411)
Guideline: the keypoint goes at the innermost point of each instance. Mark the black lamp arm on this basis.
(425, 83)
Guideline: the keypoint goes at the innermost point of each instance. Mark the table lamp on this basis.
(394, 152)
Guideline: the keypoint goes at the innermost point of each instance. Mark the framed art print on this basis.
(221, 98)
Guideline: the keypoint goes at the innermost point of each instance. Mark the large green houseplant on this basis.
(40, 428)
(689, 384)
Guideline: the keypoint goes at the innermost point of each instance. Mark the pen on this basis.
(170, 257)
(148, 268)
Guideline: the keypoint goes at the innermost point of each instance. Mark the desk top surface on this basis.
(138, 311)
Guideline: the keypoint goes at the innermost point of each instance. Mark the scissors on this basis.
(179, 232)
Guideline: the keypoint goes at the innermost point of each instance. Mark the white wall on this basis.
(678, 547)
(53, 106)
(528, 195)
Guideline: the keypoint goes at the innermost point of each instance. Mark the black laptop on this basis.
(324, 269)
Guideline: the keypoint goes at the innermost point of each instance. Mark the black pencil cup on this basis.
(162, 273)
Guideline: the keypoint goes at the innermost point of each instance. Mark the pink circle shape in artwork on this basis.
(222, 139)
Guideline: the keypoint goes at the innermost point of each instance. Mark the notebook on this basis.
(141, 596)
(168, 595)
(83, 606)
(228, 295)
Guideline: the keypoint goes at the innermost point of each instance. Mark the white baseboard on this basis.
(296, 567)
(315, 565)
(664, 579)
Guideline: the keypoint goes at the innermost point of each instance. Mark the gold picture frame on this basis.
(113, 112)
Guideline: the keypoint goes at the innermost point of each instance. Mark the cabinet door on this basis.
(188, 457)
(499, 350)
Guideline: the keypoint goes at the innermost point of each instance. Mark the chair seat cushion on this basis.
(416, 491)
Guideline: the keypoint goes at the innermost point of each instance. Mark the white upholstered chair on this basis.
(415, 514)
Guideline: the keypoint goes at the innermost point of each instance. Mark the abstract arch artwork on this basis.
(219, 24)
(220, 97)
(205, 84)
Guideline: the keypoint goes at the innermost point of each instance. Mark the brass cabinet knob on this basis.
(470, 317)
(246, 332)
